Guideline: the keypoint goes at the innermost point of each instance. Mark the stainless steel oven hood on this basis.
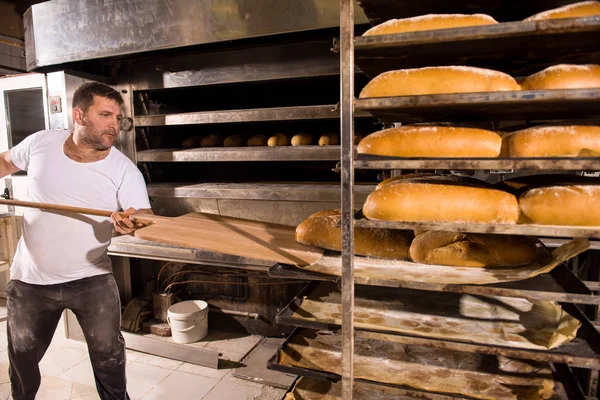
(61, 31)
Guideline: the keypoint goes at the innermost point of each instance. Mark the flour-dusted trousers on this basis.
(33, 314)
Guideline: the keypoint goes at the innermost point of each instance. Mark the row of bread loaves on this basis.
(462, 79)
(452, 199)
(279, 139)
(441, 248)
(441, 141)
(448, 21)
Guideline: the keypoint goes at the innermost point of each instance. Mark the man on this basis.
(61, 260)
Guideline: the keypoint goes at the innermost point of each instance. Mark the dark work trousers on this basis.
(33, 314)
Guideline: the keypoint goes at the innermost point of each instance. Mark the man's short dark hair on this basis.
(84, 95)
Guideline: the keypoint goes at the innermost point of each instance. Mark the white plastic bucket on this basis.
(188, 321)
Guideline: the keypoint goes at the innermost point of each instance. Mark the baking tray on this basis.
(562, 376)
(583, 351)
(558, 285)
(517, 48)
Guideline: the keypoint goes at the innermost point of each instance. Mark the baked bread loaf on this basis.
(191, 142)
(430, 22)
(329, 139)
(576, 10)
(407, 200)
(438, 80)
(211, 141)
(554, 141)
(278, 139)
(302, 139)
(321, 229)
(387, 181)
(564, 76)
(428, 177)
(233, 141)
(432, 141)
(472, 249)
(577, 205)
(257, 140)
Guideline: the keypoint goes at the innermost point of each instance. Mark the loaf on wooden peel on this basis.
(564, 76)
(429, 22)
(432, 141)
(577, 205)
(322, 230)
(576, 10)
(438, 80)
(473, 250)
(407, 200)
(554, 141)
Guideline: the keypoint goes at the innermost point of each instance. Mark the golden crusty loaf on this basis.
(554, 141)
(564, 76)
(321, 229)
(278, 139)
(430, 22)
(576, 10)
(428, 177)
(562, 205)
(472, 249)
(432, 141)
(329, 139)
(438, 80)
(302, 139)
(419, 176)
(434, 201)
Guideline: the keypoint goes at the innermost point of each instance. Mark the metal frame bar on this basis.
(365, 161)
(526, 104)
(233, 116)
(592, 232)
(191, 354)
(347, 181)
(542, 287)
(242, 154)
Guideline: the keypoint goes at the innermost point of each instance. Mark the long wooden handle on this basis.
(56, 207)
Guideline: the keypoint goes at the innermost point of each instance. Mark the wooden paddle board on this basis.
(240, 237)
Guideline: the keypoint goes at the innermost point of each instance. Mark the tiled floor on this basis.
(67, 374)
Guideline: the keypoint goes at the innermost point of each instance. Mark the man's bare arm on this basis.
(6, 165)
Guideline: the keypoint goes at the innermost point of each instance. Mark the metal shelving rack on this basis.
(378, 54)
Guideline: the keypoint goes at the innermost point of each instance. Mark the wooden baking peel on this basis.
(240, 237)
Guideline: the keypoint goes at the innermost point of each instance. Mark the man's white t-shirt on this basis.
(59, 247)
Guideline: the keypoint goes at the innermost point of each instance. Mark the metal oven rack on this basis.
(513, 47)
(269, 62)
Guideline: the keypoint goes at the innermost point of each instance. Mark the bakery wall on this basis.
(11, 23)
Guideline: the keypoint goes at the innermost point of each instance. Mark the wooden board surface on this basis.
(229, 235)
